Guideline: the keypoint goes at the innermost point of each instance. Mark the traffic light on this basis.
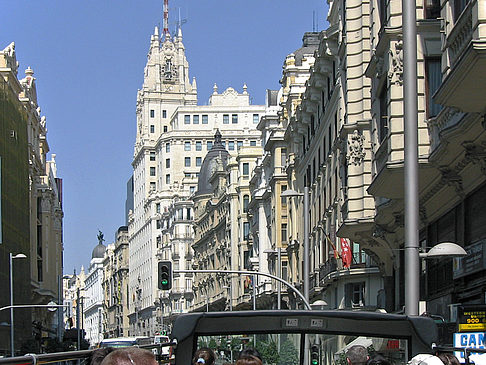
(165, 275)
(314, 355)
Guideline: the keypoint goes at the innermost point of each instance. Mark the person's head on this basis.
(377, 359)
(98, 355)
(357, 355)
(249, 360)
(204, 356)
(130, 356)
(448, 358)
(250, 352)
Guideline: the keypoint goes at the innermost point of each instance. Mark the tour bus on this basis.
(125, 341)
(285, 337)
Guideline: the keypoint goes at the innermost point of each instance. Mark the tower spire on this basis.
(166, 19)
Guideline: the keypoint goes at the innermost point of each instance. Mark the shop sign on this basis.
(471, 318)
(475, 260)
(470, 340)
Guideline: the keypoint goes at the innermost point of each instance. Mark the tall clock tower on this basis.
(166, 86)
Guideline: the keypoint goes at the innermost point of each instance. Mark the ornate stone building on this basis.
(31, 200)
(173, 136)
(115, 286)
(222, 230)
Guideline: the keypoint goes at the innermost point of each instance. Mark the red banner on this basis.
(346, 253)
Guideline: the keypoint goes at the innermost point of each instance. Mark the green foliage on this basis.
(213, 344)
(288, 353)
(269, 351)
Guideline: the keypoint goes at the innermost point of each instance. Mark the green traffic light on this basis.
(165, 282)
(315, 362)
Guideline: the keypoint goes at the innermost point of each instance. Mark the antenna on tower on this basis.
(166, 19)
(314, 21)
(180, 22)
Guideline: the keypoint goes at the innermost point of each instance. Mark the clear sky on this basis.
(88, 58)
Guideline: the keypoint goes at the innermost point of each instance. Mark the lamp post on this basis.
(292, 193)
(11, 258)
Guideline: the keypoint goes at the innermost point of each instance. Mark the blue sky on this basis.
(88, 57)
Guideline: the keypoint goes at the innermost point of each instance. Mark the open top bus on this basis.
(296, 337)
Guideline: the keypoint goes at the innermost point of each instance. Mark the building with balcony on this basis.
(31, 199)
(92, 302)
(115, 284)
(173, 136)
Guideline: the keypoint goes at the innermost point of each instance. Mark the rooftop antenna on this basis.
(180, 22)
(314, 21)
(166, 19)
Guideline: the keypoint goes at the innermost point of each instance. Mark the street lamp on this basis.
(11, 258)
(444, 250)
(292, 193)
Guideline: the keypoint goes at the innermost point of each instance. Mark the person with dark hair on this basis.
(448, 358)
(130, 356)
(98, 355)
(357, 355)
(204, 356)
(377, 359)
(250, 351)
(249, 360)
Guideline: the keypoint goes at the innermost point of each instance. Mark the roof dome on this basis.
(98, 251)
(216, 157)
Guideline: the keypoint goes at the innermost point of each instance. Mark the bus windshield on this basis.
(303, 337)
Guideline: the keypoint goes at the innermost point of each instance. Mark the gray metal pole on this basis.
(77, 319)
(12, 348)
(412, 261)
(254, 291)
(306, 243)
(279, 285)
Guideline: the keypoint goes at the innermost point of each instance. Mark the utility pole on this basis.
(77, 319)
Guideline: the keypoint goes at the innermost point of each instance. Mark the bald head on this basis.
(130, 356)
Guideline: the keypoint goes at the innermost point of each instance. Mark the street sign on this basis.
(470, 340)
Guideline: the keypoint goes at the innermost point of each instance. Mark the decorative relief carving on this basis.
(453, 179)
(356, 151)
(396, 72)
(475, 154)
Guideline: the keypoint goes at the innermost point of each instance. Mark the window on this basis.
(256, 118)
(246, 230)
(253, 143)
(205, 119)
(167, 163)
(164, 113)
(152, 128)
(187, 146)
(152, 113)
(433, 80)
(192, 189)
(157, 208)
(152, 171)
(231, 145)
(167, 179)
(239, 144)
(165, 128)
(234, 118)
(198, 161)
(283, 231)
(225, 118)
(246, 169)
(354, 295)
(246, 201)
(195, 119)
(210, 145)
(152, 156)
(198, 146)
(187, 119)
(383, 122)
(187, 174)
(187, 162)
(167, 147)
(152, 186)
(458, 7)
(283, 200)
